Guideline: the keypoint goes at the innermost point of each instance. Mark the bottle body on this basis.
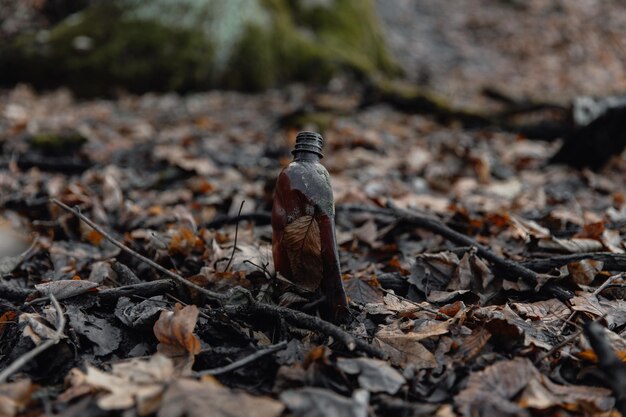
(304, 245)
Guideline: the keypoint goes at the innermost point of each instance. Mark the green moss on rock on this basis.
(117, 44)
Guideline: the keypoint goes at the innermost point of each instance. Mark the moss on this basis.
(56, 143)
(138, 55)
(123, 49)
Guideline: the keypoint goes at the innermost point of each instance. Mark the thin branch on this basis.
(559, 345)
(510, 268)
(305, 321)
(204, 291)
(232, 255)
(610, 280)
(244, 361)
(30, 355)
(611, 261)
(297, 318)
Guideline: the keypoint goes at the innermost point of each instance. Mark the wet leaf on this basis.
(318, 402)
(374, 375)
(303, 245)
(359, 291)
(208, 398)
(105, 336)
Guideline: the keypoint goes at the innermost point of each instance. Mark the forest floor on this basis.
(471, 263)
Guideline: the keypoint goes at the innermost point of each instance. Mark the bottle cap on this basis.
(309, 142)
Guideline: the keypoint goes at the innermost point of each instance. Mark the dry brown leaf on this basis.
(495, 391)
(404, 348)
(551, 312)
(15, 396)
(304, 249)
(139, 382)
(583, 272)
(208, 398)
(472, 345)
(174, 331)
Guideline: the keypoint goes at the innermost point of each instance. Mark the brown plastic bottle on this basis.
(304, 245)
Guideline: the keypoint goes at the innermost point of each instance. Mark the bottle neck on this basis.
(306, 156)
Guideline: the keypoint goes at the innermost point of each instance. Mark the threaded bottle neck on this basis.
(308, 143)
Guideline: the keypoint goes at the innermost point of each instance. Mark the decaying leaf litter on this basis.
(441, 325)
(166, 177)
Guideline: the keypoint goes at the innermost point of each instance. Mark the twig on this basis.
(145, 289)
(244, 361)
(611, 261)
(559, 346)
(434, 225)
(511, 268)
(210, 294)
(30, 355)
(306, 321)
(232, 255)
(295, 317)
(262, 217)
(608, 282)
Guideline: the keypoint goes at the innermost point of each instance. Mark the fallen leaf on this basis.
(65, 288)
(15, 396)
(318, 402)
(138, 382)
(433, 272)
(405, 349)
(359, 291)
(302, 242)
(583, 272)
(105, 337)
(495, 391)
(374, 375)
(208, 398)
(174, 331)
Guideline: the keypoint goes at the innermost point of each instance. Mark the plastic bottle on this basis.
(304, 245)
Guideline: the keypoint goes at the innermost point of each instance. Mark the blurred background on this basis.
(544, 49)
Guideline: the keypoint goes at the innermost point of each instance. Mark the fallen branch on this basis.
(510, 268)
(244, 361)
(30, 355)
(211, 294)
(305, 321)
(295, 317)
(144, 289)
(612, 261)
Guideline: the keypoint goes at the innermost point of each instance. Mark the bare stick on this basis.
(305, 321)
(608, 282)
(232, 255)
(30, 355)
(559, 346)
(244, 361)
(210, 294)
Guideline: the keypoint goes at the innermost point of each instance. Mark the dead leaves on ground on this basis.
(174, 331)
